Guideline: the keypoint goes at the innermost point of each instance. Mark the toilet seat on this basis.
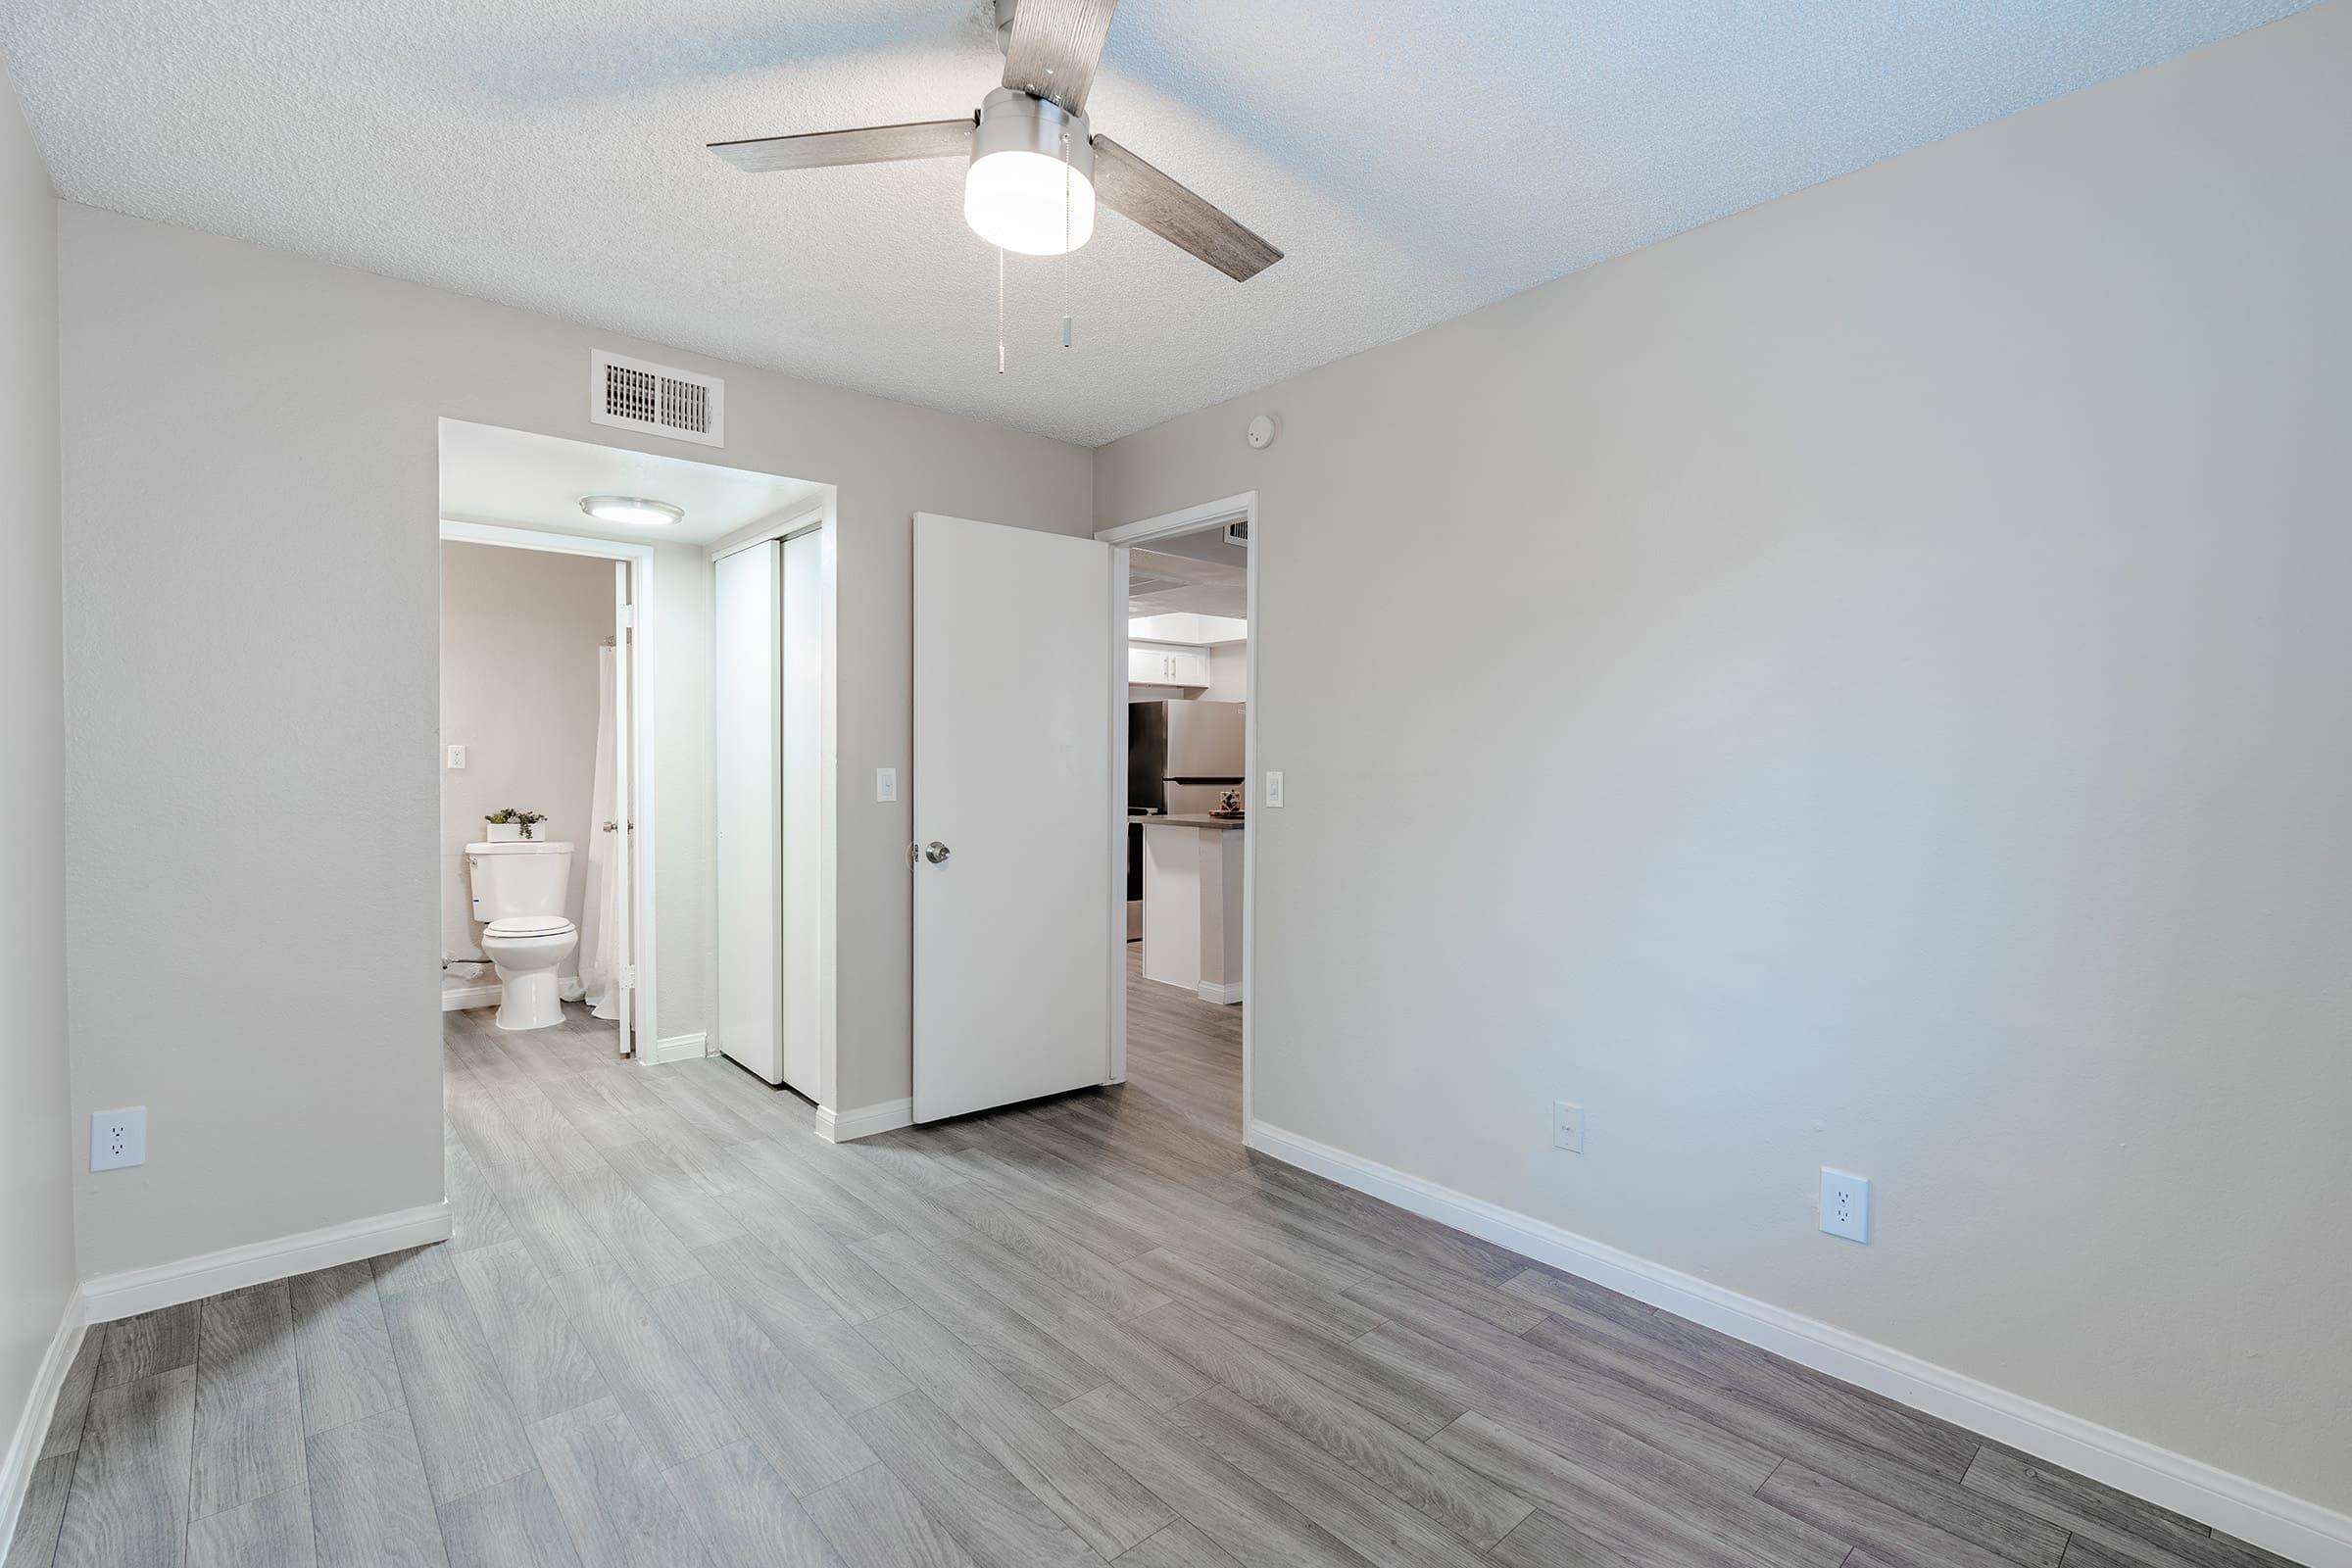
(529, 925)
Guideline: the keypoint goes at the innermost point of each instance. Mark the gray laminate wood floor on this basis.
(675, 1328)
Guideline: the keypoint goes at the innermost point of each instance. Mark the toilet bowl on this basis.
(528, 952)
(519, 892)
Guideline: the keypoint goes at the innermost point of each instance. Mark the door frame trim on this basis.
(1243, 509)
(640, 557)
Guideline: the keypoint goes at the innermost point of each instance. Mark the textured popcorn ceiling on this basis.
(1416, 159)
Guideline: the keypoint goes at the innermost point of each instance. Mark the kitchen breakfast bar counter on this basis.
(1193, 904)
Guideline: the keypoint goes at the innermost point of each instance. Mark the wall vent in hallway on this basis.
(637, 395)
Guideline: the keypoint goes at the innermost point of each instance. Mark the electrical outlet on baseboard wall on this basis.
(1846, 1204)
(118, 1138)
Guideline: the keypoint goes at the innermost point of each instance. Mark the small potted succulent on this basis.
(509, 824)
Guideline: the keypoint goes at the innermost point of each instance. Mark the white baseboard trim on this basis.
(2249, 1509)
(1222, 996)
(144, 1289)
(681, 1047)
(840, 1126)
(32, 1422)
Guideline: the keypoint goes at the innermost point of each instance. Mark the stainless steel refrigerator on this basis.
(1181, 757)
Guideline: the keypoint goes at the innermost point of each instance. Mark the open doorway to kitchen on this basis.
(1189, 651)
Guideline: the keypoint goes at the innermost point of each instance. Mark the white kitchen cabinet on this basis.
(1159, 664)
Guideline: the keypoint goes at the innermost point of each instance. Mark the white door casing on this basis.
(1016, 674)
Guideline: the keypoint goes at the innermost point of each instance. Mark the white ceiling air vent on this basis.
(637, 395)
(1238, 533)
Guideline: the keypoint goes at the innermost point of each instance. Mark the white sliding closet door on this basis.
(748, 674)
(802, 749)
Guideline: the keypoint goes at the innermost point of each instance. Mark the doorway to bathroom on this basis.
(590, 664)
(548, 873)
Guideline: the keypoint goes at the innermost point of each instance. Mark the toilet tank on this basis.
(518, 879)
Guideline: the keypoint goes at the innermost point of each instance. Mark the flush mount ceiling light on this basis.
(1036, 167)
(631, 509)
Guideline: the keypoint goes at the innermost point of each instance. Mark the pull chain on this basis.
(999, 310)
(1065, 239)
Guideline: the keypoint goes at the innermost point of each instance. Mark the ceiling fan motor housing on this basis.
(1014, 122)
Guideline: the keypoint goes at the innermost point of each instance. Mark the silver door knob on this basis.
(936, 852)
(612, 828)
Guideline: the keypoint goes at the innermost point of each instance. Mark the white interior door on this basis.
(802, 750)
(623, 903)
(746, 674)
(1014, 690)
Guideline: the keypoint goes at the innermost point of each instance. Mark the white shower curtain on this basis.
(600, 913)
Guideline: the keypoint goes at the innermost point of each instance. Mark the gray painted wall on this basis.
(36, 1231)
(250, 556)
(1878, 698)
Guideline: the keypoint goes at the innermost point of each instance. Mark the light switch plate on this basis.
(1273, 789)
(457, 757)
(118, 1138)
(886, 783)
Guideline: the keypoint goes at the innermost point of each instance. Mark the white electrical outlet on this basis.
(886, 783)
(457, 757)
(1568, 1126)
(1846, 1204)
(1273, 789)
(118, 1138)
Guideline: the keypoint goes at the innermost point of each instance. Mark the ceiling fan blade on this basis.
(872, 144)
(1126, 184)
(1056, 46)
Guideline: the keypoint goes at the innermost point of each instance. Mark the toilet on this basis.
(518, 894)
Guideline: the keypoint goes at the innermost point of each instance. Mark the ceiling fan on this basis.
(1037, 169)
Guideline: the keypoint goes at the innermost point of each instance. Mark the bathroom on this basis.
(529, 727)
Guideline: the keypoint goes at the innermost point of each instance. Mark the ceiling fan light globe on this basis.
(1026, 202)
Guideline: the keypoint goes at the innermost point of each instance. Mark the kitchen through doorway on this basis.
(1190, 629)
